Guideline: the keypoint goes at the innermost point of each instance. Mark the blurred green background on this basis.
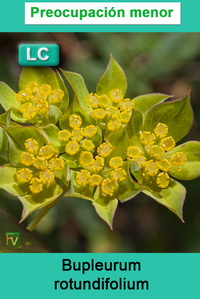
(153, 62)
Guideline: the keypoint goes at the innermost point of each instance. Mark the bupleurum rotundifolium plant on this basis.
(100, 146)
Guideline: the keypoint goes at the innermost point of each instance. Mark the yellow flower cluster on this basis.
(94, 160)
(41, 164)
(151, 156)
(114, 110)
(34, 100)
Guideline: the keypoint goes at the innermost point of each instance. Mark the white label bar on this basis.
(102, 13)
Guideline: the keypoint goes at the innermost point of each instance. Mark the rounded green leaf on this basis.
(172, 197)
(191, 169)
(113, 78)
(128, 188)
(78, 85)
(134, 125)
(177, 115)
(120, 141)
(7, 96)
(107, 210)
(144, 102)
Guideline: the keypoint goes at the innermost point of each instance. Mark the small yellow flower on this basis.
(98, 113)
(118, 175)
(31, 145)
(28, 111)
(162, 180)
(83, 177)
(47, 151)
(125, 117)
(24, 175)
(88, 145)
(161, 130)
(164, 165)
(105, 149)
(40, 163)
(23, 96)
(114, 124)
(127, 105)
(64, 135)
(98, 164)
(104, 101)
(90, 131)
(147, 138)
(36, 185)
(116, 95)
(56, 164)
(75, 121)
(168, 143)
(133, 152)
(86, 158)
(33, 87)
(95, 180)
(27, 159)
(24, 107)
(45, 89)
(116, 162)
(112, 112)
(47, 177)
(151, 168)
(108, 186)
(93, 100)
(156, 151)
(38, 97)
(77, 135)
(56, 96)
(140, 161)
(178, 159)
(42, 107)
(72, 147)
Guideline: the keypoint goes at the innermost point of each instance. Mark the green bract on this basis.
(99, 146)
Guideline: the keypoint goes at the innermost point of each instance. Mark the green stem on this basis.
(41, 214)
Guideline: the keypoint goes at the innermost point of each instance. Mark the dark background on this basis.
(153, 62)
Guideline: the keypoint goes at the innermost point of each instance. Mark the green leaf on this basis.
(134, 125)
(54, 114)
(128, 188)
(144, 102)
(8, 181)
(31, 202)
(3, 145)
(113, 78)
(78, 85)
(16, 139)
(5, 120)
(28, 241)
(120, 140)
(50, 134)
(191, 169)
(172, 197)
(177, 115)
(75, 190)
(45, 75)
(7, 96)
(106, 210)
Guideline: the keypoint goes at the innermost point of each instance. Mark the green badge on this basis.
(38, 55)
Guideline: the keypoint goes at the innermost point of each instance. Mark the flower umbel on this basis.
(152, 157)
(34, 101)
(40, 173)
